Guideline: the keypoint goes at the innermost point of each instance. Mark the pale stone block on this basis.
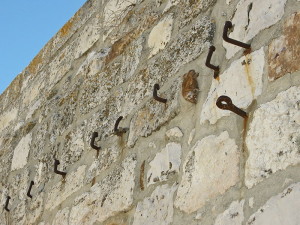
(165, 163)
(242, 82)
(21, 153)
(234, 215)
(111, 195)
(62, 190)
(156, 209)
(170, 3)
(251, 17)
(280, 209)
(211, 168)
(251, 202)
(174, 133)
(160, 35)
(273, 137)
(62, 217)
(8, 117)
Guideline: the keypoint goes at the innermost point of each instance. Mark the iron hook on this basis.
(117, 130)
(228, 105)
(209, 65)
(56, 163)
(227, 26)
(94, 135)
(29, 189)
(156, 87)
(6, 204)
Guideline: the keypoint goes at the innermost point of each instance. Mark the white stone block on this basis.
(234, 215)
(242, 82)
(273, 138)
(251, 17)
(211, 168)
(160, 35)
(21, 152)
(8, 117)
(280, 209)
(164, 163)
(157, 209)
(174, 133)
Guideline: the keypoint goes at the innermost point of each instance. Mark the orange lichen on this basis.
(66, 28)
(32, 67)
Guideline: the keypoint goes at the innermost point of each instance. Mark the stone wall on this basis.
(185, 161)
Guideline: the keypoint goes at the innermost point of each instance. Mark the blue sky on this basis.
(25, 27)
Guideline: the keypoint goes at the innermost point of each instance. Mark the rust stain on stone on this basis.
(284, 52)
(190, 86)
(142, 175)
(246, 63)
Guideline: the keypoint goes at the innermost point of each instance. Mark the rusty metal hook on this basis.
(120, 130)
(6, 204)
(94, 135)
(228, 105)
(209, 65)
(227, 26)
(56, 163)
(156, 87)
(29, 189)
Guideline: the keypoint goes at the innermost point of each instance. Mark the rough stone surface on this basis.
(108, 197)
(158, 208)
(278, 147)
(211, 168)
(234, 215)
(242, 82)
(160, 35)
(280, 209)
(61, 217)
(251, 17)
(165, 163)
(190, 86)
(174, 133)
(63, 189)
(21, 153)
(284, 51)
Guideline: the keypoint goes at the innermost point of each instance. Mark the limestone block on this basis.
(156, 209)
(175, 133)
(18, 214)
(17, 184)
(273, 137)
(107, 156)
(62, 217)
(38, 145)
(63, 189)
(242, 82)
(170, 3)
(251, 17)
(234, 215)
(191, 9)
(165, 163)
(211, 168)
(280, 209)
(73, 146)
(21, 152)
(153, 115)
(114, 12)
(160, 35)
(35, 207)
(111, 195)
(285, 50)
(7, 117)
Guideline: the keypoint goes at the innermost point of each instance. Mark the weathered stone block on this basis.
(280, 209)
(242, 82)
(251, 17)
(284, 52)
(273, 139)
(157, 209)
(234, 215)
(211, 168)
(21, 153)
(165, 163)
